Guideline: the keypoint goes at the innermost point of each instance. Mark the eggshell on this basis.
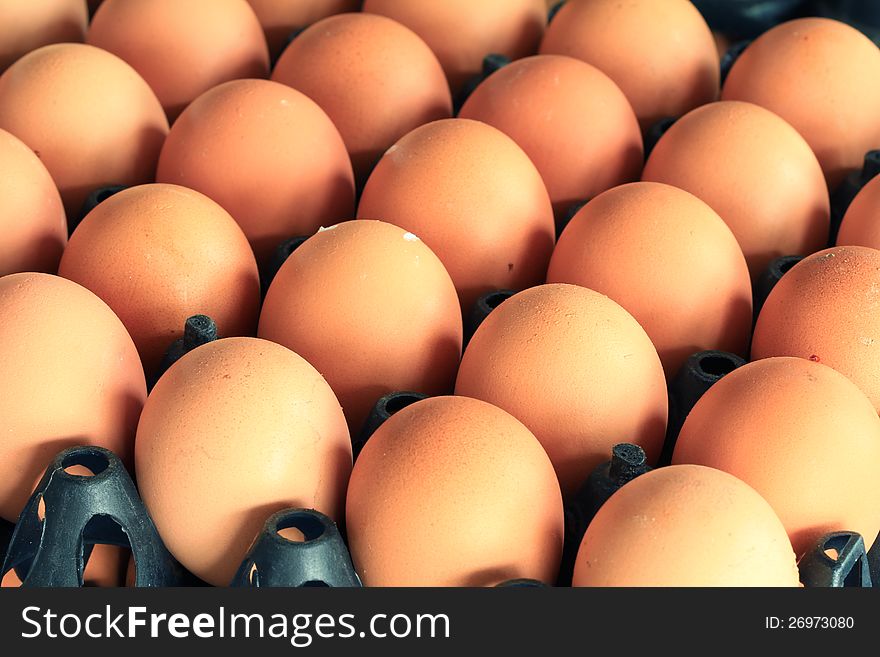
(106, 566)
(268, 154)
(234, 431)
(474, 197)
(825, 309)
(453, 491)
(462, 32)
(800, 434)
(685, 525)
(860, 226)
(32, 220)
(376, 79)
(281, 18)
(182, 49)
(88, 116)
(820, 75)
(157, 254)
(659, 52)
(669, 260)
(73, 378)
(31, 24)
(571, 120)
(576, 369)
(754, 170)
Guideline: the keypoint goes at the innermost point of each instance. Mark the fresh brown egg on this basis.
(686, 525)
(802, 435)
(372, 308)
(158, 254)
(31, 24)
(765, 182)
(820, 75)
(825, 309)
(88, 116)
(659, 52)
(669, 260)
(576, 369)
(234, 431)
(32, 218)
(476, 200)
(182, 49)
(73, 378)
(376, 79)
(453, 491)
(571, 120)
(462, 32)
(266, 153)
(280, 18)
(860, 226)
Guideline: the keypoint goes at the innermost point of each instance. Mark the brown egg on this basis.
(280, 18)
(88, 116)
(268, 154)
(107, 566)
(825, 309)
(157, 254)
(372, 308)
(570, 119)
(576, 369)
(376, 79)
(453, 491)
(669, 260)
(860, 226)
(755, 171)
(234, 431)
(462, 32)
(802, 435)
(661, 54)
(34, 23)
(32, 218)
(819, 75)
(685, 525)
(74, 379)
(474, 197)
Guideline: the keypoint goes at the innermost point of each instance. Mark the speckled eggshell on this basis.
(802, 435)
(821, 76)
(453, 491)
(373, 309)
(669, 260)
(234, 431)
(755, 171)
(860, 225)
(157, 254)
(685, 525)
(474, 197)
(571, 120)
(73, 378)
(32, 220)
(576, 369)
(182, 49)
(268, 154)
(88, 116)
(280, 18)
(375, 78)
(31, 24)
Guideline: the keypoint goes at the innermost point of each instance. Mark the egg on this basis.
(576, 369)
(571, 120)
(74, 378)
(372, 308)
(859, 226)
(234, 431)
(820, 76)
(685, 526)
(375, 78)
(88, 116)
(35, 23)
(476, 200)
(660, 53)
(462, 32)
(182, 49)
(281, 18)
(440, 496)
(802, 435)
(266, 153)
(765, 181)
(158, 254)
(32, 219)
(668, 259)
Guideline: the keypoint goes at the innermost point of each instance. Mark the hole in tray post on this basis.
(717, 365)
(305, 527)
